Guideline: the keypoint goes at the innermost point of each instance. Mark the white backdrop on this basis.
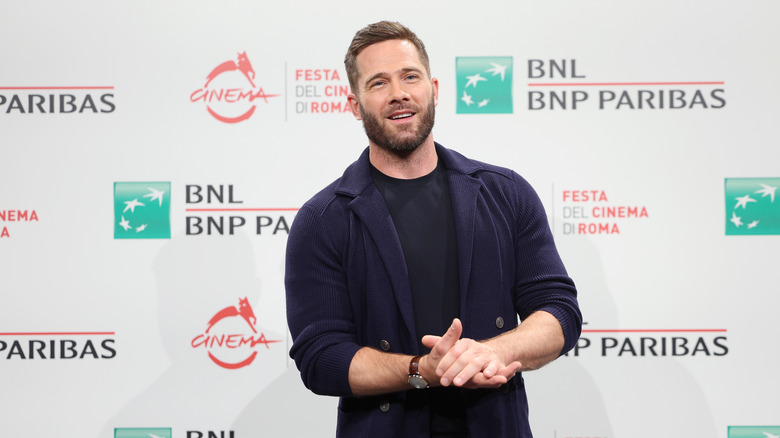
(101, 333)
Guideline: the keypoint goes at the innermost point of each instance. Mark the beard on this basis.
(399, 143)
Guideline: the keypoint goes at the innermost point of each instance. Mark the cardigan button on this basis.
(499, 322)
(385, 345)
(384, 406)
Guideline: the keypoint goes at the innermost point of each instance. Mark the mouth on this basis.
(401, 115)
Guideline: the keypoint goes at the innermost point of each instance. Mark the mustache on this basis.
(400, 107)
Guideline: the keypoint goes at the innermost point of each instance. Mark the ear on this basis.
(354, 106)
(435, 84)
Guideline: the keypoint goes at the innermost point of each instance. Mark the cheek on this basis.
(373, 106)
(425, 96)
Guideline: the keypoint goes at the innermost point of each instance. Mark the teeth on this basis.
(401, 116)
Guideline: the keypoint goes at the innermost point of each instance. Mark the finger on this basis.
(502, 376)
(453, 333)
(480, 381)
(511, 369)
(430, 340)
(453, 362)
(463, 361)
(446, 342)
(507, 372)
(491, 369)
(467, 373)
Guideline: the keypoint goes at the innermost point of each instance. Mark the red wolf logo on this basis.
(243, 65)
(244, 310)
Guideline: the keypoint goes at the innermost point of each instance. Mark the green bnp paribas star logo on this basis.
(750, 206)
(484, 85)
(754, 432)
(142, 432)
(142, 210)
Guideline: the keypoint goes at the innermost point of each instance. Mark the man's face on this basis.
(395, 98)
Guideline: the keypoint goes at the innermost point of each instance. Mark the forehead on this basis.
(388, 56)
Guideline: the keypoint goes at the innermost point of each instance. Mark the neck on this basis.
(420, 162)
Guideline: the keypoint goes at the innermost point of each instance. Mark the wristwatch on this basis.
(415, 379)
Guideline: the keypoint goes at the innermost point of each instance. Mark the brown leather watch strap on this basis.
(414, 365)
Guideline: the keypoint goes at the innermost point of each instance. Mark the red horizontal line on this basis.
(611, 84)
(241, 209)
(656, 331)
(58, 334)
(57, 88)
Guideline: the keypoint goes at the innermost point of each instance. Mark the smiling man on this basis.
(400, 97)
(405, 277)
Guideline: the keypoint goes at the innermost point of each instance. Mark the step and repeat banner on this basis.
(154, 154)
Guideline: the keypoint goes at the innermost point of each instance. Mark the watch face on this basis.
(418, 381)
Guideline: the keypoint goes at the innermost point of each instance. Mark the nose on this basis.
(397, 93)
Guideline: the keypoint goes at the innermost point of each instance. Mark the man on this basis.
(405, 277)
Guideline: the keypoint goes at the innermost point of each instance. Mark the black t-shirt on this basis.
(421, 209)
(422, 213)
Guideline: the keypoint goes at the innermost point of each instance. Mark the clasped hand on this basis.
(465, 362)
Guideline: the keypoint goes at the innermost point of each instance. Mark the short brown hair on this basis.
(377, 33)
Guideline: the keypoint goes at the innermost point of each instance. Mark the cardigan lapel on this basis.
(372, 210)
(370, 207)
(464, 190)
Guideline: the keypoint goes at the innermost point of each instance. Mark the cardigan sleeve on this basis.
(542, 282)
(318, 309)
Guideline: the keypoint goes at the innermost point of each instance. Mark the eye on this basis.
(377, 83)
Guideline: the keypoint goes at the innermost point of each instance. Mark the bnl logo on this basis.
(750, 206)
(142, 210)
(484, 85)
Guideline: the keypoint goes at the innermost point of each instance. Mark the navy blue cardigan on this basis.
(347, 288)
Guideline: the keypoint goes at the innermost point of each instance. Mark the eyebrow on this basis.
(385, 74)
